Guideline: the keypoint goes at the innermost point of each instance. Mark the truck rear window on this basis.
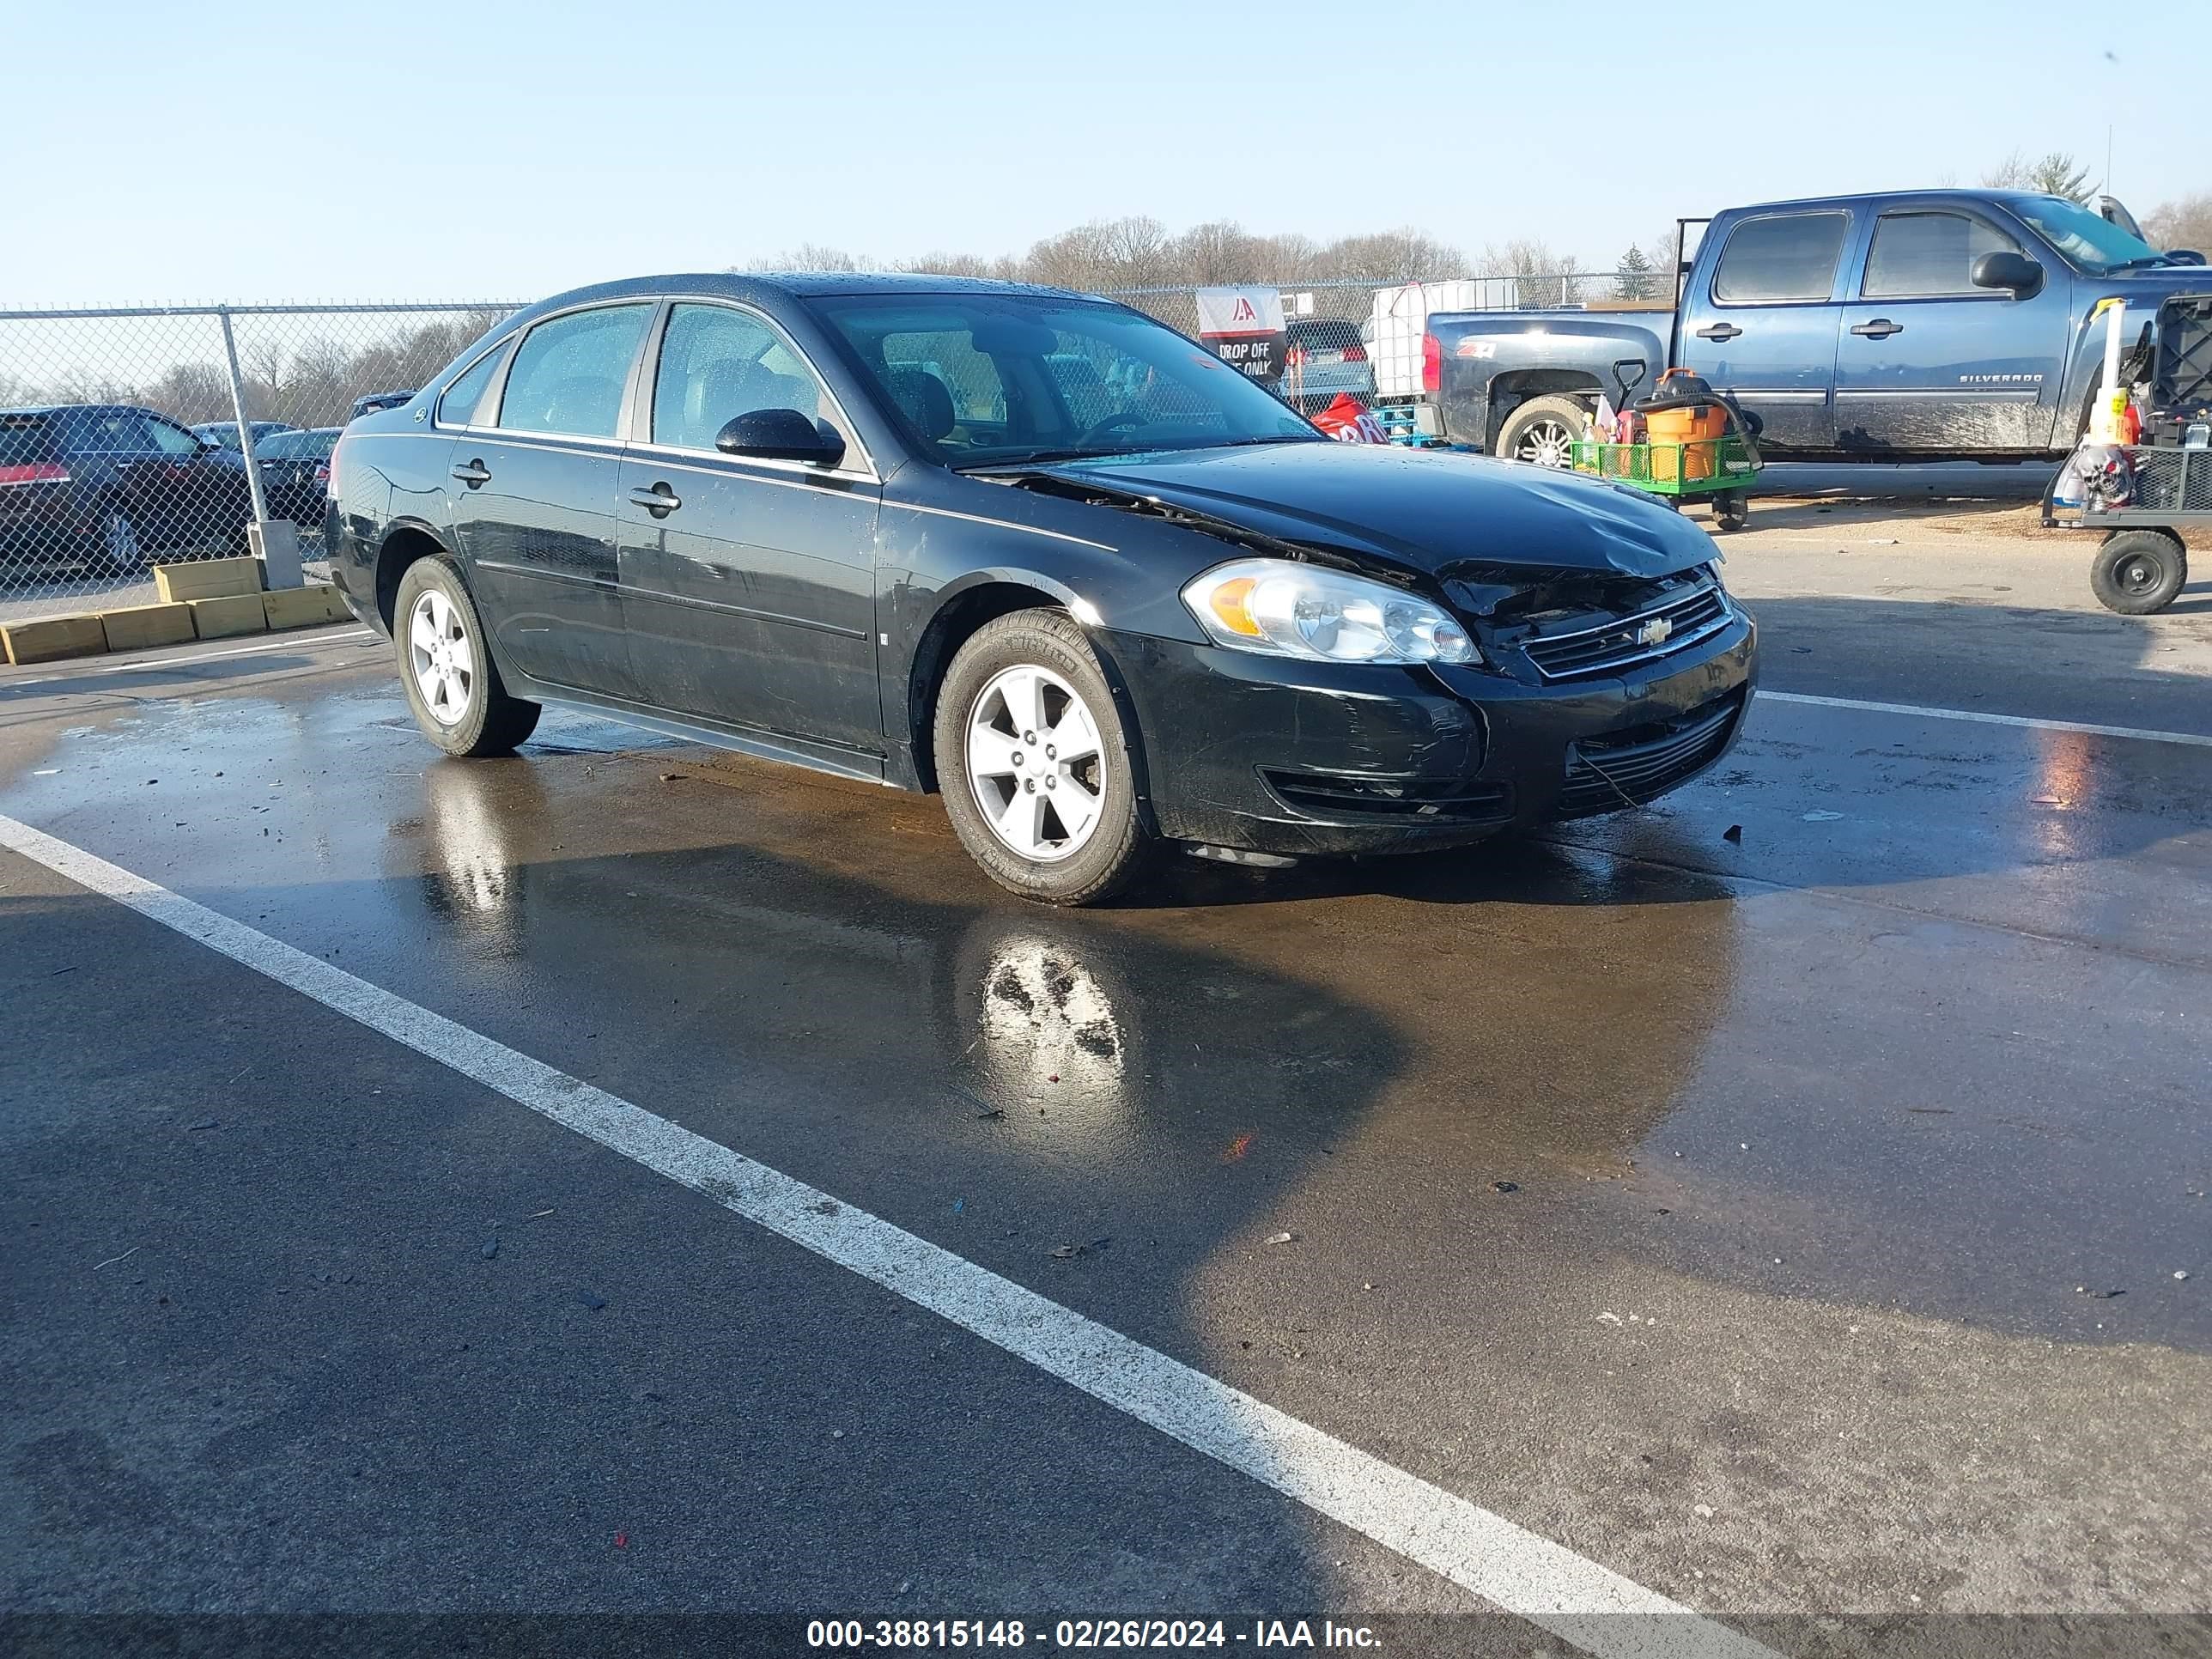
(25, 441)
(1781, 256)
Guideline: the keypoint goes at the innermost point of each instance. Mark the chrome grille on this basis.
(1613, 645)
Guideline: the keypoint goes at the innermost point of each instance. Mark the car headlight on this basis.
(1282, 608)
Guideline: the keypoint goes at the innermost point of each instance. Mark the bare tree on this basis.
(813, 256)
(1539, 276)
(2184, 223)
(2054, 174)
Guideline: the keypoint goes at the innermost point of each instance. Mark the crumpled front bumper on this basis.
(1268, 755)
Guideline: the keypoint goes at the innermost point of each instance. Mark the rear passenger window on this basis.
(457, 404)
(1784, 257)
(1920, 254)
(569, 374)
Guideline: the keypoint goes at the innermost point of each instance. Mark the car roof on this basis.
(65, 409)
(797, 285)
(1948, 193)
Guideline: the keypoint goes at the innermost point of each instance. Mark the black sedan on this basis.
(113, 487)
(295, 473)
(1036, 551)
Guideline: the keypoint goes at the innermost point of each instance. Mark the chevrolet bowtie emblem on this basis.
(1657, 631)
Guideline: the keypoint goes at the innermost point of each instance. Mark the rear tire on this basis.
(1539, 432)
(2136, 572)
(446, 668)
(1036, 765)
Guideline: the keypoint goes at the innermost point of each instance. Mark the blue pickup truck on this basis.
(1913, 325)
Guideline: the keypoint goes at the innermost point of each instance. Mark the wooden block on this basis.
(233, 613)
(304, 607)
(147, 624)
(49, 637)
(207, 579)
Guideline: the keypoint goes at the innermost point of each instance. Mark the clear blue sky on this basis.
(462, 149)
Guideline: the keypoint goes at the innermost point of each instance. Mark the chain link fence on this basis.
(137, 437)
(1340, 333)
(125, 434)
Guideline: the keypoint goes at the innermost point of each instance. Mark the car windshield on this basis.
(985, 379)
(2097, 246)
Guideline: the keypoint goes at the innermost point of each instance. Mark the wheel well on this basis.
(1516, 386)
(955, 622)
(401, 548)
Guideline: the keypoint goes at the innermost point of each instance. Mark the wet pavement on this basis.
(1790, 1223)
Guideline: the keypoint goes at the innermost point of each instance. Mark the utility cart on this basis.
(2143, 563)
(2145, 497)
(1699, 445)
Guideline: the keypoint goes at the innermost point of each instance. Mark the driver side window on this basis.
(716, 364)
(173, 440)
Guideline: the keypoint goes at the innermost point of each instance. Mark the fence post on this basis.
(276, 544)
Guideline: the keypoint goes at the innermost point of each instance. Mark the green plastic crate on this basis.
(1696, 468)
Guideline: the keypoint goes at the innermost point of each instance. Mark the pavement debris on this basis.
(205, 1123)
(595, 1302)
(1823, 815)
(1734, 833)
(1282, 1238)
(1505, 1186)
(491, 1249)
(1703, 1511)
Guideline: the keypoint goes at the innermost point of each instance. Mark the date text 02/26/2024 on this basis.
(1085, 1633)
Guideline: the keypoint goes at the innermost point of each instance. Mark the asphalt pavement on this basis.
(1788, 1201)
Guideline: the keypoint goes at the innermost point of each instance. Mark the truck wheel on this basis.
(2139, 571)
(1542, 432)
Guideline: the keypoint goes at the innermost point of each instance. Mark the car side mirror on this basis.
(2006, 270)
(781, 434)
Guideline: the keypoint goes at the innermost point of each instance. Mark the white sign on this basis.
(1240, 311)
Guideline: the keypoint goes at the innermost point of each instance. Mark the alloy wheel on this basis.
(1036, 766)
(1548, 443)
(442, 657)
(120, 540)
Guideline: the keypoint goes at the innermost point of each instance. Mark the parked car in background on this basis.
(226, 432)
(111, 487)
(754, 511)
(295, 473)
(1911, 324)
(1323, 358)
(369, 402)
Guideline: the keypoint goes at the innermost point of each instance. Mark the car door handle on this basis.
(473, 473)
(1880, 329)
(1719, 331)
(660, 501)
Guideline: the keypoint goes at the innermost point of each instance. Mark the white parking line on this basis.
(1543, 1582)
(297, 644)
(2192, 738)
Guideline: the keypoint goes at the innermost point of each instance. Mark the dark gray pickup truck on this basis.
(1912, 326)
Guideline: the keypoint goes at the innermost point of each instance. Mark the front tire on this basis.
(1036, 765)
(2139, 571)
(1543, 431)
(452, 685)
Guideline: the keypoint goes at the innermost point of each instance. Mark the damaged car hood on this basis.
(1445, 516)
